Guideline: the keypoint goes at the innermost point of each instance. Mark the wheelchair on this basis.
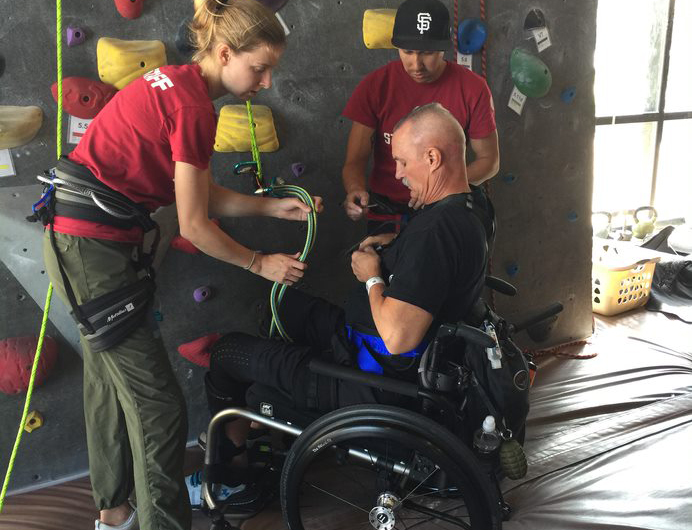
(387, 467)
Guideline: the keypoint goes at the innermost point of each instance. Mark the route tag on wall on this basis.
(542, 37)
(6, 164)
(465, 60)
(77, 128)
(516, 101)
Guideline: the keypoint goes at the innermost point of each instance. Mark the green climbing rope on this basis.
(282, 190)
(49, 294)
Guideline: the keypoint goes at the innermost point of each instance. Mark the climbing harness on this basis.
(73, 191)
(277, 189)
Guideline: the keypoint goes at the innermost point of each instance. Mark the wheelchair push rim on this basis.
(384, 468)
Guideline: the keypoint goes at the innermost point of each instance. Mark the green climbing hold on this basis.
(530, 75)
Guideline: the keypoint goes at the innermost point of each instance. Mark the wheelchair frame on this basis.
(436, 395)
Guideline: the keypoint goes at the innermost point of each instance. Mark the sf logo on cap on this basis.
(423, 22)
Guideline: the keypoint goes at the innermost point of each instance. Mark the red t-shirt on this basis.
(165, 116)
(386, 95)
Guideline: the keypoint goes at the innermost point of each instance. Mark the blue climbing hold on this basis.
(512, 269)
(471, 35)
(572, 216)
(567, 95)
(509, 178)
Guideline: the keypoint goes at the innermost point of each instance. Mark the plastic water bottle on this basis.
(487, 440)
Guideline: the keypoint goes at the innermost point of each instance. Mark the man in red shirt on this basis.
(383, 97)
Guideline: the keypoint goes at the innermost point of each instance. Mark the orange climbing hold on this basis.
(83, 97)
(17, 358)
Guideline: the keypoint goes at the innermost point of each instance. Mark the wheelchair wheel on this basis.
(374, 466)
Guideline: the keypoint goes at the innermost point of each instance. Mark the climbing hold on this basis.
(202, 294)
(182, 244)
(541, 331)
(2, 65)
(158, 316)
(34, 420)
(378, 25)
(83, 97)
(233, 129)
(530, 75)
(471, 35)
(509, 178)
(512, 269)
(129, 8)
(572, 216)
(75, 35)
(183, 39)
(197, 351)
(18, 125)
(534, 20)
(298, 168)
(122, 61)
(17, 358)
(567, 95)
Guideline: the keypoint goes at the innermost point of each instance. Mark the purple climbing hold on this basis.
(75, 35)
(298, 168)
(202, 294)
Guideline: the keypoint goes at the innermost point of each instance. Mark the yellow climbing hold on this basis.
(378, 25)
(18, 125)
(233, 129)
(123, 61)
(34, 420)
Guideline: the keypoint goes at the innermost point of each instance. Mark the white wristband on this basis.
(372, 281)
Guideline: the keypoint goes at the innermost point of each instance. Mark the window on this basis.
(643, 94)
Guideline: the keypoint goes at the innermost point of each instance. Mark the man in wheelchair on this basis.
(431, 273)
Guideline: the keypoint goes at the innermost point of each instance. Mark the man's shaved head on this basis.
(433, 125)
(429, 148)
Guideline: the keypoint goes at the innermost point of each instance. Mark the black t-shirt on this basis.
(436, 263)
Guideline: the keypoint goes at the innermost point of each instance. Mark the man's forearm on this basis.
(353, 177)
(481, 170)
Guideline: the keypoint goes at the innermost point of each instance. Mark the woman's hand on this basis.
(295, 209)
(365, 264)
(280, 268)
(379, 239)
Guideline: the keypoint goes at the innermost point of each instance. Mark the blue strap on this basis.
(366, 361)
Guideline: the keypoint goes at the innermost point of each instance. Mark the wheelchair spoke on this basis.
(443, 516)
(337, 497)
(420, 484)
(436, 492)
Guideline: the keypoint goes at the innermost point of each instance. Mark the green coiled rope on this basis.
(282, 190)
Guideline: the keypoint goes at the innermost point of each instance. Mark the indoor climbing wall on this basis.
(542, 193)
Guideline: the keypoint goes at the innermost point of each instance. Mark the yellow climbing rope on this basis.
(49, 294)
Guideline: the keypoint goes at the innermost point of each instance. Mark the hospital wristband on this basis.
(372, 281)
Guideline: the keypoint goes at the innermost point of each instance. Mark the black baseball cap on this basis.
(422, 25)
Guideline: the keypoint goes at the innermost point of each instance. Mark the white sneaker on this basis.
(130, 524)
(194, 489)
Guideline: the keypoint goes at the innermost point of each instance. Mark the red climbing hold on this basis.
(17, 358)
(182, 244)
(197, 351)
(83, 97)
(129, 8)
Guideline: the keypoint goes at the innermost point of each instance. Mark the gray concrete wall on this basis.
(542, 193)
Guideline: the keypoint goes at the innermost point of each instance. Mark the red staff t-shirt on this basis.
(163, 117)
(386, 95)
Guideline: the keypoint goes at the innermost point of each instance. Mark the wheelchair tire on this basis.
(412, 460)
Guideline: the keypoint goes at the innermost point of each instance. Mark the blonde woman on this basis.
(149, 147)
